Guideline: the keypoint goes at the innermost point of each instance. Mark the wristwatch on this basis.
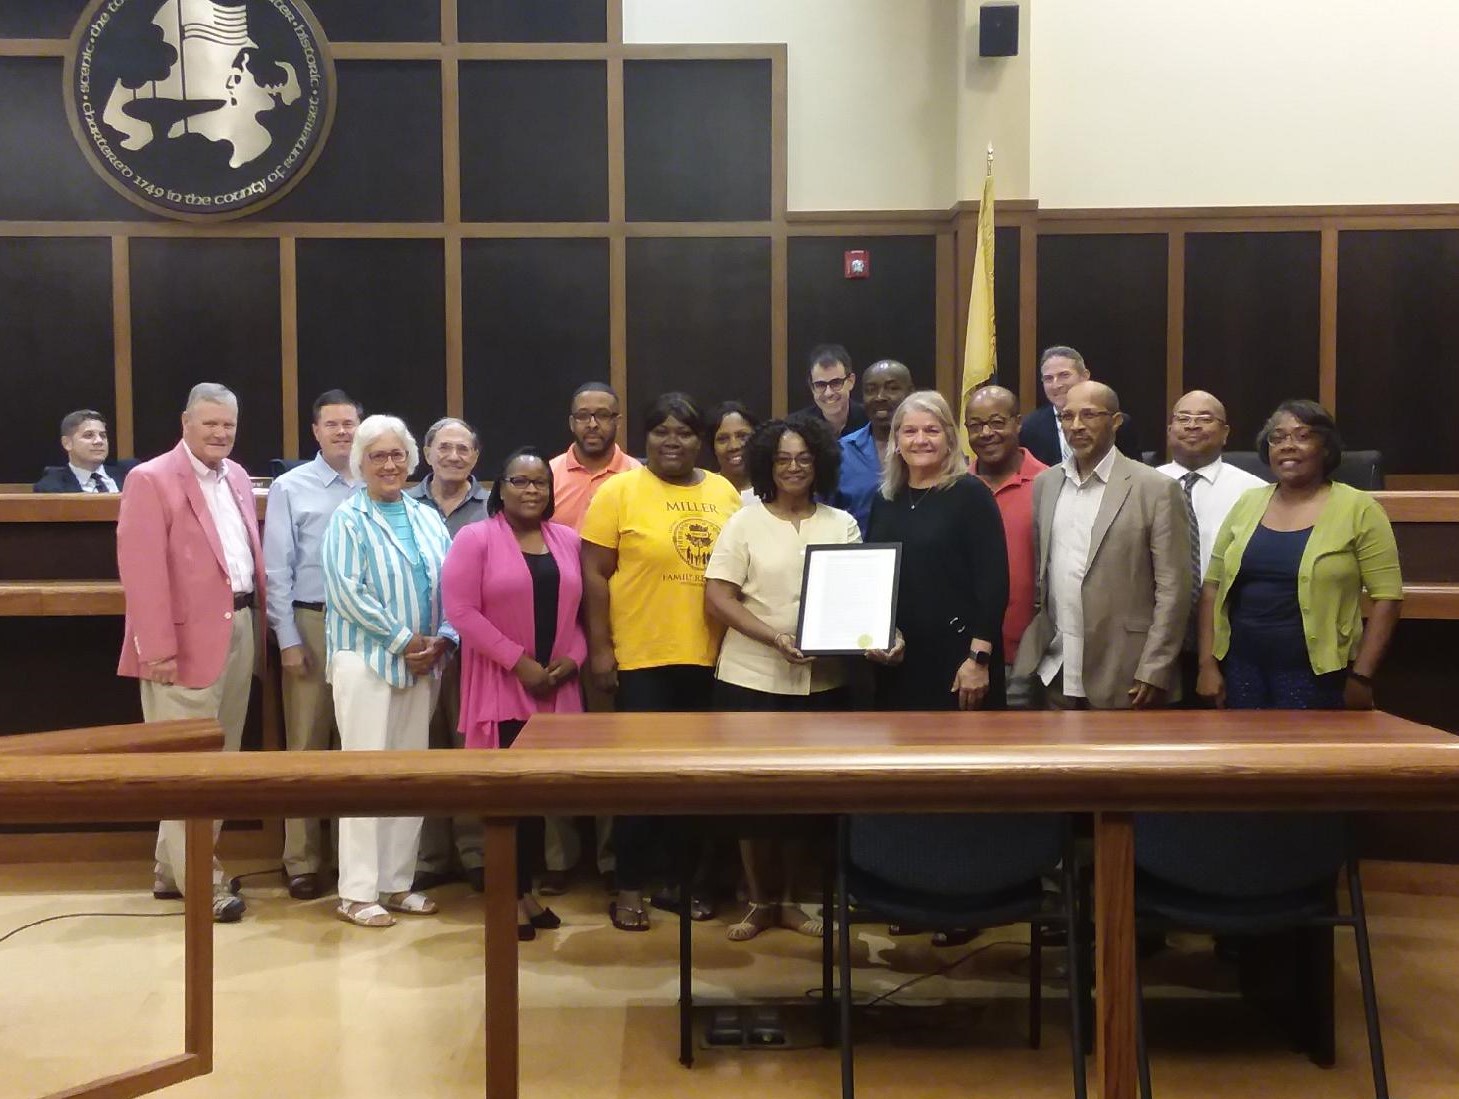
(981, 658)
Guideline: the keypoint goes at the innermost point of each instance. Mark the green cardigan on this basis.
(1351, 550)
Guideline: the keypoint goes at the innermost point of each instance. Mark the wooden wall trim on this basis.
(455, 330)
(450, 23)
(289, 343)
(123, 430)
(1420, 507)
(779, 323)
(34, 47)
(615, 22)
(1327, 321)
(949, 341)
(1174, 317)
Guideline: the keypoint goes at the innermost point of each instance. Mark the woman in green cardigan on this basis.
(1281, 623)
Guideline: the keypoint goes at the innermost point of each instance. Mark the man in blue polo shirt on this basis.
(884, 386)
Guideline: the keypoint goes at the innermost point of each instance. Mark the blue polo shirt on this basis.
(860, 476)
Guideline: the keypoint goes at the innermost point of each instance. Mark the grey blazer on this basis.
(1137, 590)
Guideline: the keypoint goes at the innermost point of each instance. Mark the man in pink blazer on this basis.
(192, 571)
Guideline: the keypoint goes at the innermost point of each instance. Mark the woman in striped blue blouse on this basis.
(385, 639)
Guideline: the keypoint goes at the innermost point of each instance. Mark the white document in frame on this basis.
(849, 598)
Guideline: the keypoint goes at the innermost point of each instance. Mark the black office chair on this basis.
(1254, 874)
(277, 467)
(1360, 468)
(951, 871)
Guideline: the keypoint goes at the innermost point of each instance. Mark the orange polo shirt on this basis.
(573, 484)
(1015, 501)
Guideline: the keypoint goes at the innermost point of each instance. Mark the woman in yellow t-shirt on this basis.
(647, 538)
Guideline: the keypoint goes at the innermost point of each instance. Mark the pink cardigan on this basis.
(487, 592)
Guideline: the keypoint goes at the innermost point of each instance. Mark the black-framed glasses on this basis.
(519, 483)
(1301, 436)
(380, 457)
(602, 419)
(997, 423)
(830, 385)
(1083, 416)
(804, 460)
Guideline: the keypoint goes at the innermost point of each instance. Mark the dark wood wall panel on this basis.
(1397, 343)
(1007, 247)
(39, 697)
(522, 361)
(371, 322)
(697, 140)
(43, 173)
(533, 20)
(55, 331)
(382, 161)
(699, 321)
(397, 21)
(207, 311)
(1251, 322)
(1105, 295)
(39, 18)
(534, 141)
(891, 315)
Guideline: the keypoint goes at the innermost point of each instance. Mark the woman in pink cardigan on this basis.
(512, 586)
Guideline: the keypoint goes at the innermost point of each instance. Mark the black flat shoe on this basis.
(526, 933)
(546, 920)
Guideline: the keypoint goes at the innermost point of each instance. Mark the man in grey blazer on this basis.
(1112, 555)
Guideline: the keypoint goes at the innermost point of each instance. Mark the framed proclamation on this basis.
(848, 598)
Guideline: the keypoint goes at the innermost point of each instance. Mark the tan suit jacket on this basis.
(1137, 589)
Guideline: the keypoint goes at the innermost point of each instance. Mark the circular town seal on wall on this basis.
(198, 109)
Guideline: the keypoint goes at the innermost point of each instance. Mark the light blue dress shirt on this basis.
(299, 506)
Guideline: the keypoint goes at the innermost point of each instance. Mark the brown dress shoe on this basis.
(304, 887)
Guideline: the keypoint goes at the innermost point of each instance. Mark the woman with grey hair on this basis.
(383, 553)
(954, 581)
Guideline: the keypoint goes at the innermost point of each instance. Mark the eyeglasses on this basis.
(602, 419)
(381, 457)
(803, 460)
(830, 385)
(1083, 416)
(461, 450)
(1199, 419)
(997, 423)
(1301, 436)
(541, 484)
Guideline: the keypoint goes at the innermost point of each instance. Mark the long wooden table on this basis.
(1111, 764)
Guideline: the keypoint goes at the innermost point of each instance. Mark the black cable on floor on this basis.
(815, 993)
(77, 915)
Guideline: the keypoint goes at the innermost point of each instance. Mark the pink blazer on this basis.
(174, 575)
(487, 592)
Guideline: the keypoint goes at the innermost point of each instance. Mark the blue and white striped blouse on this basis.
(372, 605)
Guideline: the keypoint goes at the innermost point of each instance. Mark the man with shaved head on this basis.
(1197, 434)
(884, 386)
(1112, 557)
(992, 421)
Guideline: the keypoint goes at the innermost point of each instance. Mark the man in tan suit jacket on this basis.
(1112, 555)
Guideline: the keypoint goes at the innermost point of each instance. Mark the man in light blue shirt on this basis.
(299, 506)
(884, 386)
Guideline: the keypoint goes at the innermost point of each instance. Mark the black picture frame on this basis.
(810, 553)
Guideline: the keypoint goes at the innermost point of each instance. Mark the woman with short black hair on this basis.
(730, 426)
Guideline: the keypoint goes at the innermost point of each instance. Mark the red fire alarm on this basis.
(858, 264)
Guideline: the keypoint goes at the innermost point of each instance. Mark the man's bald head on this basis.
(1090, 417)
(993, 399)
(1198, 430)
(885, 384)
(991, 420)
(889, 368)
(1097, 393)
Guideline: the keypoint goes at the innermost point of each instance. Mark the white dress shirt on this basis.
(1072, 532)
(87, 484)
(228, 518)
(1213, 496)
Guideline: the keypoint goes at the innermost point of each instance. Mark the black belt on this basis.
(309, 606)
(242, 599)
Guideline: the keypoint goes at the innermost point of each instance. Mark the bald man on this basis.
(884, 386)
(1197, 435)
(1008, 469)
(1112, 556)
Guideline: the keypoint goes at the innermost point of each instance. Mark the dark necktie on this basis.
(1188, 484)
(97, 484)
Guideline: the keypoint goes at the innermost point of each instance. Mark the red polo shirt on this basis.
(1015, 502)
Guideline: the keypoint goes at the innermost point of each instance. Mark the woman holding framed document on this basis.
(954, 571)
(753, 586)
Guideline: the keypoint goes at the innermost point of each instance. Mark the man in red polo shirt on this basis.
(992, 420)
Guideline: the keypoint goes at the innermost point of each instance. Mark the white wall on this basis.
(872, 98)
(1244, 102)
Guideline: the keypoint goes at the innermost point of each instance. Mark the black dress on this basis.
(953, 588)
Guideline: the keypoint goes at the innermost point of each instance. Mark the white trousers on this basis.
(226, 699)
(377, 854)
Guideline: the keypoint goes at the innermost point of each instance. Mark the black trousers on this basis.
(640, 841)
(529, 829)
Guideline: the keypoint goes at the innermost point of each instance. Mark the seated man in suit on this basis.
(1112, 555)
(1060, 369)
(84, 439)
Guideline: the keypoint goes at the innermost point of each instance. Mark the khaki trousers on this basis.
(440, 836)
(226, 699)
(308, 721)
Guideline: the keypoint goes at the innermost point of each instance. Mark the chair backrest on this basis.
(1360, 468)
(956, 854)
(1240, 854)
(277, 467)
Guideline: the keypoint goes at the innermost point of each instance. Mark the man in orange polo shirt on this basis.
(577, 474)
(579, 471)
(992, 420)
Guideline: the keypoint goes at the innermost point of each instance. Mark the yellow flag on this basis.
(980, 349)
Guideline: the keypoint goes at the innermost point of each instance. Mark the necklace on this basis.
(919, 499)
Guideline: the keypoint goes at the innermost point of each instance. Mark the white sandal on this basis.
(414, 904)
(363, 914)
(760, 917)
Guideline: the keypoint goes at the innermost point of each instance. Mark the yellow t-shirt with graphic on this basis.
(664, 535)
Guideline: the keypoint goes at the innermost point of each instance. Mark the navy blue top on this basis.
(1265, 612)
